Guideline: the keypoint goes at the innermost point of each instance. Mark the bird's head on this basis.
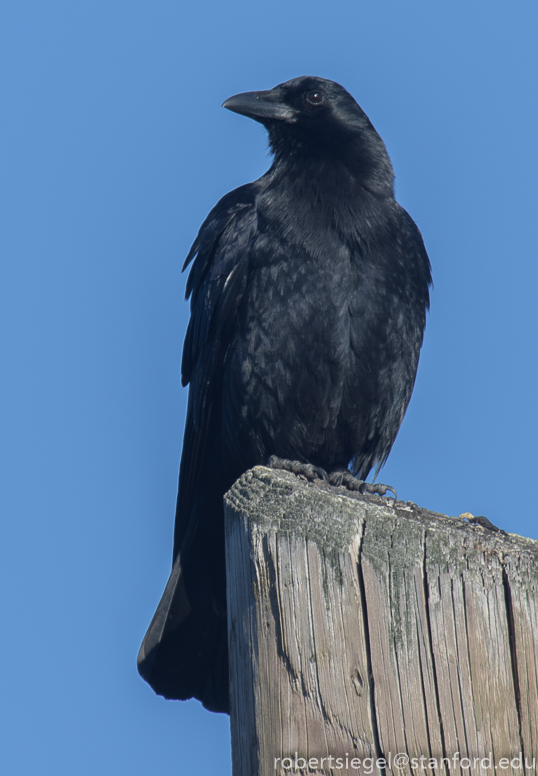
(316, 118)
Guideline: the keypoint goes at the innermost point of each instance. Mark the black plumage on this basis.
(309, 291)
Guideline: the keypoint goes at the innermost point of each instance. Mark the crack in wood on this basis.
(426, 592)
(368, 647)
(513, 652)
(355, 627)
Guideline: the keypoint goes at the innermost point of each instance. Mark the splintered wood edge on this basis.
(329, 516)
(391, 541)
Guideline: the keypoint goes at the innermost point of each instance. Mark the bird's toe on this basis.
(307, 470)
(344, 478)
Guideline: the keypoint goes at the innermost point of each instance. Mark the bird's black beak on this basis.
(261, 106)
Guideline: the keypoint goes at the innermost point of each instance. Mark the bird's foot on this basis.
(340, 477)
(307, 470)
(343, 477)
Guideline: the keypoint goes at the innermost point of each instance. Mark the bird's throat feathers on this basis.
(341, 194)
(337, 163)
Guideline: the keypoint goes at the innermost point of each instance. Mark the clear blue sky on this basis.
(114, 148)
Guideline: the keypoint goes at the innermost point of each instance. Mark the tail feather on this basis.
(184, 653)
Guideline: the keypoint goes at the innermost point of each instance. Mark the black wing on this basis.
(216, 285)
(184, 653)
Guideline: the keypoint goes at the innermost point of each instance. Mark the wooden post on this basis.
(362, 632)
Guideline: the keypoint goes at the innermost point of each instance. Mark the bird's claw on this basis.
(307, 470)
(347, 480)
(336, 479)
(377, 488)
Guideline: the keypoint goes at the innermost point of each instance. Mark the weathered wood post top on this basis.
(362, 631)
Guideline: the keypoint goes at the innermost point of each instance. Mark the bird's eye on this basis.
(315, 98)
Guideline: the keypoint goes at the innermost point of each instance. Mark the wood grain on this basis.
(361, 630)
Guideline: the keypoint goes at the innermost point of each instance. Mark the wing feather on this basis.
(216, 284)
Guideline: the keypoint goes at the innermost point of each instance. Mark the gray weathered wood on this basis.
(358, 629)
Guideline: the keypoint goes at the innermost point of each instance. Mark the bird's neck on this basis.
(327, 187)
(317, 195)
(342, 169)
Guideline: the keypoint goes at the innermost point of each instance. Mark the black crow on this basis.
(309, 290)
